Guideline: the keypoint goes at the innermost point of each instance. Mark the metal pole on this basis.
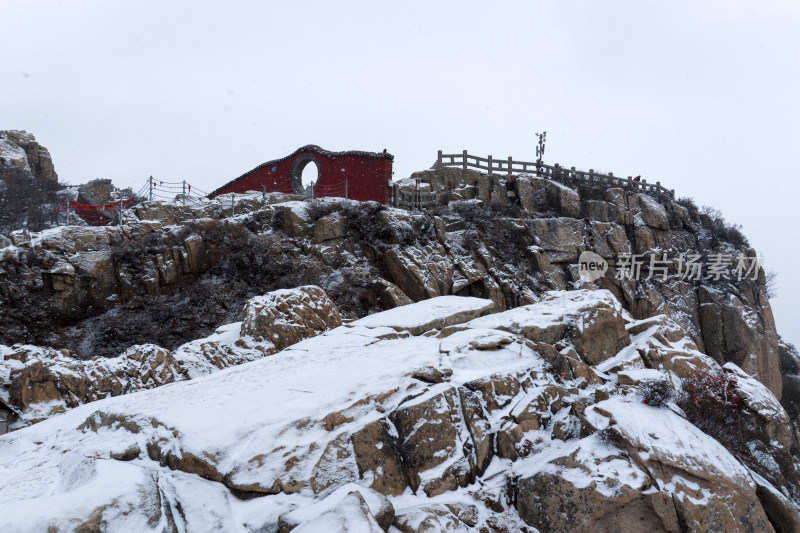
(345, 190)
(233, 208)
(151, 188)
(184, 192)
(120, 211)
(263, 193)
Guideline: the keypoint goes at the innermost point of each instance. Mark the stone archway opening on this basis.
(304, 173)
(310, 174)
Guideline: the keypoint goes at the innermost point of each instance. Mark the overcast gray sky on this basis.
(702, 96)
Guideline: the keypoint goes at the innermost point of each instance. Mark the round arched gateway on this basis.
(299, 165)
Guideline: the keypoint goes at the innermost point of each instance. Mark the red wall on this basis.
(263, 176)
(367, 177)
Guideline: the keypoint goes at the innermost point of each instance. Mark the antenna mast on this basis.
(540, 151)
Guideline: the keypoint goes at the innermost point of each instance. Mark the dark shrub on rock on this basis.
(656, 392)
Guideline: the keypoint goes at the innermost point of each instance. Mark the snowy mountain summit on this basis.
(261, 362)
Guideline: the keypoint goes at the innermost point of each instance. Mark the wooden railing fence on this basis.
(555, 172)
(420, 199)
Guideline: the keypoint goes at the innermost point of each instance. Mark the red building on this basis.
(357, 175)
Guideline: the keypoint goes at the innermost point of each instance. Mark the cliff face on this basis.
(730, 319)
(513, 391)
(371, 258)
(20, 149)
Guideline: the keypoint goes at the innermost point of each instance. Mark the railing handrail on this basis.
(555, 172)
(417, 199)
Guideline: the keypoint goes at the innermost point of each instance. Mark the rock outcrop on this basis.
(20, 149)
(538, 194)
(41, 382)
(287, 316)
(369, 258)
(446, 371)
(514, 421)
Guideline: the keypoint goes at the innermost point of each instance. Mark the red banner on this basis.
(91, 207)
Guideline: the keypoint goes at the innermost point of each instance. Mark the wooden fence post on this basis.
(490, 165)
(510, 161)
(464, 163)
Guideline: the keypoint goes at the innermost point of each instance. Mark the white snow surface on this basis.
(246, 420)
(556, 307)
(232, 416)
(671, 438)
(757, 396)
(638, 375)
(374, 501)
(427, 313)
(346, 516)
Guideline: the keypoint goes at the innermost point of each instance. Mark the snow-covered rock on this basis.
(371, 258)
(40, 382)
(532, 417)
(465, 428)
(592, 321)
(287, 316)
(378, 505)
(20, 149)
(436, 313)
(351, 514)
(539, 194)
